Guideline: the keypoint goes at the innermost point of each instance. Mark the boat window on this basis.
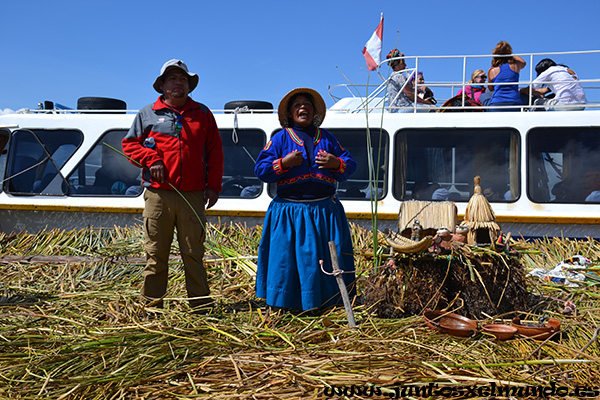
(4, 136)
(34, 159)
(105, 171)
(440, 164)
(359, 186)
(564, 165)
(241, 150)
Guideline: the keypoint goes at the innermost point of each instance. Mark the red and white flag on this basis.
(372, 50)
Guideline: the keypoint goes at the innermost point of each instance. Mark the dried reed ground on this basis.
(74, 329)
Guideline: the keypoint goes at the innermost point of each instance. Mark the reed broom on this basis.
(480, 215)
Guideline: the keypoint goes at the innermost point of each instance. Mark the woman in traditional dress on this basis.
(305, 161)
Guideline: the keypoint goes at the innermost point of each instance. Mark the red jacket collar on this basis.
(160, 104)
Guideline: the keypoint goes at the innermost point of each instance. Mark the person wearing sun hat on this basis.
(178, 145)
(175, 64)
(401, 95)
(305, 161)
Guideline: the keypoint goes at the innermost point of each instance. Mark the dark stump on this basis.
(475, 285)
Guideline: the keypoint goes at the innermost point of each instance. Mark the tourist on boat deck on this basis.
(305, 161)
(423, 91)
(562, 82)
(401, 94)
(177, 143)
(476, 85)
(504, 71)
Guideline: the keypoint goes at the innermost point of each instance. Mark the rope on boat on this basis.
(234, 135)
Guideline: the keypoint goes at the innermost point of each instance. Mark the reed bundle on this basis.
(402, 244)
(75, 330)
(431, 215)
(480, 216)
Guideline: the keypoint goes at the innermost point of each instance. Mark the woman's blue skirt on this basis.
(295, 237)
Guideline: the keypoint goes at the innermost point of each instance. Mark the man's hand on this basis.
(158, 171)
(210, 198)
(327, 160)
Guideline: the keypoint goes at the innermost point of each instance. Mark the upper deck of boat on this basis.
(448, 75)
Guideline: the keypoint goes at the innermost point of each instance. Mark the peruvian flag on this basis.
(372, 50)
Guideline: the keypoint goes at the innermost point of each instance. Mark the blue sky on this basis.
(259, 50)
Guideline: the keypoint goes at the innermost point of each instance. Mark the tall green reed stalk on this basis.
(373, 167)
(171, 185)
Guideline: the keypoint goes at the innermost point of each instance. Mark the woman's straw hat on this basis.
(320, 108)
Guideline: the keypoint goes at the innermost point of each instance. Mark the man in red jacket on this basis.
(177, 143)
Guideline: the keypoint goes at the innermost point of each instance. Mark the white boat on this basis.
(541, 170)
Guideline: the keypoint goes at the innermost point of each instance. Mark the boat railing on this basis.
(376, 99)
(71, 111)
(373, 98)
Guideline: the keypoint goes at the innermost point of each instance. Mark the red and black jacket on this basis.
(187, 141)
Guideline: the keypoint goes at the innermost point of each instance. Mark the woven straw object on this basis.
(401, 244)
(479, 215)
(432, 215)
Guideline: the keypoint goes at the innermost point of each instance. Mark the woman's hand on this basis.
(293, 159)
(327, 160)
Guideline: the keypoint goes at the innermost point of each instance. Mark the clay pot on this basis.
(446, 238)
(500, 331)
(450, 323)
(536, 331)
(459, 238)
(460, 234)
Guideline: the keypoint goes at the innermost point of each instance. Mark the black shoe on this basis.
(202, 307)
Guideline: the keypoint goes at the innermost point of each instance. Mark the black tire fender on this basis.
(100, 103)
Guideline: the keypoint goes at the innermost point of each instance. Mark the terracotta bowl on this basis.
(534, 330)
(450, 323)
(500, 331)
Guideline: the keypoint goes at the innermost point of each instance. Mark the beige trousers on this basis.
(165, 211)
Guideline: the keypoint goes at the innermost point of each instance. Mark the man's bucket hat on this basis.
(175, 63)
